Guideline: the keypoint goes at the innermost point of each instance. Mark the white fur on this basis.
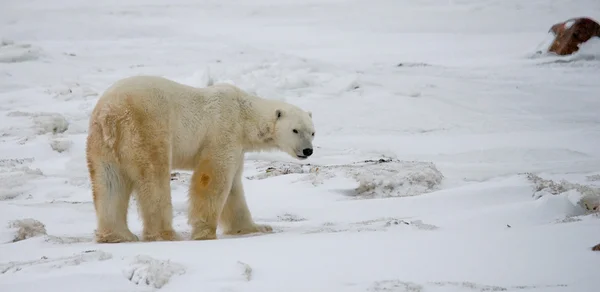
(143, 127)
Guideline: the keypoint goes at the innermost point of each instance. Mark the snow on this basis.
(451, 152)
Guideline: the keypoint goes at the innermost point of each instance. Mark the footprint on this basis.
(48, 264)
(68, 239)
(289, 217)
(147, 271)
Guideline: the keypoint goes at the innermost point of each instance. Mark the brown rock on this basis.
(571, 33)
(596, 247)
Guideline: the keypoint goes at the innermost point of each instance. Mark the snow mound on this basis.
(44, 123)
(46, 264)
(72, 91)
(147, 271)
(376, 178)
(15, 53)
(588, 51)
(61, 144)
(22, 229)
(585, 196)
(27, 228)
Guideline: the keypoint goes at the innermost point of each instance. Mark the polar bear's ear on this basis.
(310, 114)
(278, 113)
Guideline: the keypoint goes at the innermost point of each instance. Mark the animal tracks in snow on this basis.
(46, 264)
(373, 225)
(381, 224)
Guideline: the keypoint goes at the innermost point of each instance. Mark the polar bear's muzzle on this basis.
(306, 152)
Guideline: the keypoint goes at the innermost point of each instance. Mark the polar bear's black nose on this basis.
(307, 151)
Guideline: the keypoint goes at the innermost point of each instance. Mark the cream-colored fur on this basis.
(143, 127)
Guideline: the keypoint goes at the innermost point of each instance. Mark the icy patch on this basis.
(26, 228)
(48, 264)
(375, 178)
(15, 53)
(465, 286)
(585, 196)
(147, 271)
(15, 175)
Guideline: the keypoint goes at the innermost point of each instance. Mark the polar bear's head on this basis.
(294, 132)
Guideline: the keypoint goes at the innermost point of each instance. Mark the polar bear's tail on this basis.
(109, 127)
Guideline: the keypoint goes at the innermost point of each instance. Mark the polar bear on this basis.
(142, 127)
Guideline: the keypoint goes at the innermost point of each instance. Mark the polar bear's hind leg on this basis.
(153, 191)
(152, 174)
(111, 191)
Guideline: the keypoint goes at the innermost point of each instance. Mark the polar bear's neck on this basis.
(259, 115)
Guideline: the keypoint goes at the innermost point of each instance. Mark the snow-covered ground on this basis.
(449, 155)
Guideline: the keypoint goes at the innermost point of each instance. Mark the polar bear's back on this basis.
(150, 88)
(157, 106)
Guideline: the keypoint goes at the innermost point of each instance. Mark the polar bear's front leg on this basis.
(236, 217)
(210, 185)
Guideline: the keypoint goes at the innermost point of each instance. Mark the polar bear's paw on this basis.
(204, 233)
(254, 228)
(166, 235)
(264, 228)
(105, 236)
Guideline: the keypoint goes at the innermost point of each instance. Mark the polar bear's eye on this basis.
(295, 131)
(313, 134)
